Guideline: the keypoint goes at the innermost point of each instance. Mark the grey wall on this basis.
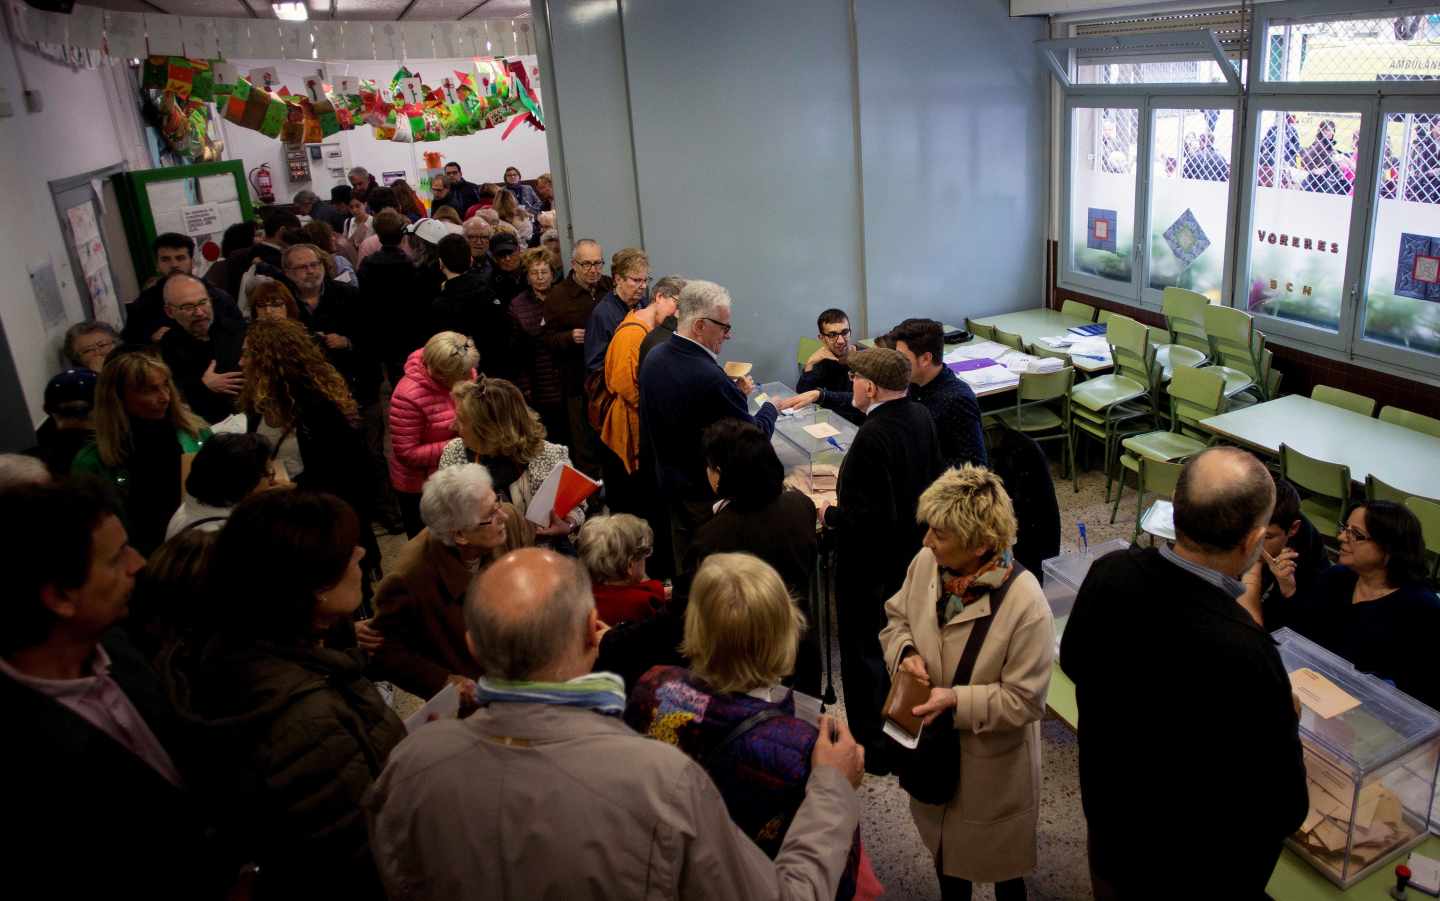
(892, 167)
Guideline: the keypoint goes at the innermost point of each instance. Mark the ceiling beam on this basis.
(476, 8)
(404, 12)
(250, 10)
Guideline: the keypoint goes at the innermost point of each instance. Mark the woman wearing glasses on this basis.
(1374, 608)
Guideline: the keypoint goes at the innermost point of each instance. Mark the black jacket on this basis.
(893, 459)
(240, 263)
(1310, 545)
(66, 772)
(395, 304)
(956, 412)
(1186, 716)
(466, 305)
(146, 313)
(832, 379)
(782, 533)
(1022, 465)
(188, 357)
(505, 285)
(341, 311)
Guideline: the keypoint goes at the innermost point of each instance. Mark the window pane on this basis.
(1403, 297)
(1362, 49)
(1191, 71)
(1189, 198)
(1304, 185)
(1102, 191)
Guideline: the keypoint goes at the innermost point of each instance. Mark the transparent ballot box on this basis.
(1371, 753)
(811, 446)
(1064, 575)
(769, 391)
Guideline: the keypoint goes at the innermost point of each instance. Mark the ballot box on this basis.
(1371, 753)
(1064, 575)
(812, 444)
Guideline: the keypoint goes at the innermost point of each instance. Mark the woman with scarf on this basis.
(964, 575)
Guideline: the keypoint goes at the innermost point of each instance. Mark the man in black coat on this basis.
(951, 402)
(826, 379)
(893, 459)
(1187, 717)
(266, 250)
(95, 738)
(466, 305)
(683, 390)
(334, 314)
(145, 318)
(203, 351)
(389, 295)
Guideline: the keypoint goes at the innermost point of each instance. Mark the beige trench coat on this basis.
(989, 826)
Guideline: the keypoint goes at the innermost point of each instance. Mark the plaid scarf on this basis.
(958, 592)
(603, 693)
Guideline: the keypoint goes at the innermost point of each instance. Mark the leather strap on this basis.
(745, 725)
(965, 669)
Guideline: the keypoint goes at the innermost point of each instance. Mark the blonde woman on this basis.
(422, 417)
(741, 634)
(614, 549)
(497, 429)
(142, 429)
(964, 575)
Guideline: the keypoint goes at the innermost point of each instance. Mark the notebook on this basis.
(906, 693)
(1094, 328)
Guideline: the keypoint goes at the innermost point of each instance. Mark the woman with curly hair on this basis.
(407, 201)
(142, 429)
(497, 429)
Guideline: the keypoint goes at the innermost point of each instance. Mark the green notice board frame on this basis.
(133, 189)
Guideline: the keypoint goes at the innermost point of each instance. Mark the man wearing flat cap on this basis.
(894, 457)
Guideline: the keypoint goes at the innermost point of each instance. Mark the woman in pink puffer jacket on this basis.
(422, 417)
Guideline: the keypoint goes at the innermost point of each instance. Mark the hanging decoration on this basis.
(407, 110)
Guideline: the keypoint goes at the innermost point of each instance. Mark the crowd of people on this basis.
(203, 635)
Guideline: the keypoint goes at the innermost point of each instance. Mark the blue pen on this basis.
(1091, 357)
(1084, 541)
(835, 444)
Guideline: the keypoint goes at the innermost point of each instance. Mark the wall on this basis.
(483, 156)
(74, 134)
(893, 165)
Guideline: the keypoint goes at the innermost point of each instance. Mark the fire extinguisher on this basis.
(260, 181)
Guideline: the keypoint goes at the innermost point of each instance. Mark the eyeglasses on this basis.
(636, 280)
(723, 325)
(589, 264)
(189, 309)
(100, 347)
(495, 514)
(844, 333)
(1355, 534)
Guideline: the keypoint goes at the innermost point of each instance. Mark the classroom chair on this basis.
(803, 349)
(1235, 349)
(1428, 512)
(1396, 416)
(1348, 400)
(1035, 411)
(1328, 484)
(1105, 316)
(1195, 394)
(1078, 310)
(1040, 350)
(980, 329)
(1184, 313)
(1109, 407)
(1376, 490)
(1157, 478)
(1009, 339)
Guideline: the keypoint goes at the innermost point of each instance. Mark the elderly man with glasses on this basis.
(204, 351)
(567, 310)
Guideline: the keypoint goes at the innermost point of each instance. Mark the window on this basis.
(1102, 214)
(1356, 48)
(1189, 198)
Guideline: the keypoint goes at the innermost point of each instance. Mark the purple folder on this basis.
(968, 365)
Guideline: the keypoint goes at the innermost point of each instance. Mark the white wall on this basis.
(483, 156)
(74, 134)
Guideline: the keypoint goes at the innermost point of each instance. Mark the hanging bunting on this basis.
(295, 41)
(419, 43)
(87, 27)
(163, 35)
(231, 36)
(388, 43)
(199, 37)
(327, 39)
(262, 40)
(355, 41)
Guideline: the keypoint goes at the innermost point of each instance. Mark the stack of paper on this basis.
(1059, 342)
(989, 377)
(975, 350)
(1045, 364)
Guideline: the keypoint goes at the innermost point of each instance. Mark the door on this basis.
(83, 223)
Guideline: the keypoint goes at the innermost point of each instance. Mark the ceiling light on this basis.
(294, 12)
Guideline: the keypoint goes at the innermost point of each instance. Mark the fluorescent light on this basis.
(294, 12)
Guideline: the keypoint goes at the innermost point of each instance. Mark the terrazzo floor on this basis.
(900, 860)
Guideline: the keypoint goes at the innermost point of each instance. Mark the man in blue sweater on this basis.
(950, 401)
(683, 389)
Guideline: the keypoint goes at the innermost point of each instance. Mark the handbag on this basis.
(598, 396)
(930, 772)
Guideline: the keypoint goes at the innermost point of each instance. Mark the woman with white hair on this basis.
(422, 416)
(614, 549)
(420, 604)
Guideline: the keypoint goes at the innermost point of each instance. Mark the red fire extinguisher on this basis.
(260, 181)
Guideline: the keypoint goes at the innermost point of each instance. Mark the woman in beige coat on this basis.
(986, 833)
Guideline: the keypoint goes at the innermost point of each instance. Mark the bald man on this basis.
(1188, 721)
(203, 352)
(546, 793)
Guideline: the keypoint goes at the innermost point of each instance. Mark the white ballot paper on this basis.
(444, 706)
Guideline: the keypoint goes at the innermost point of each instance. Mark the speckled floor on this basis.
(900, 860)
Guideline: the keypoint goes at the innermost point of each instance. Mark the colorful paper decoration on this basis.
(1100, 230)
(1417, 274)
(1186, 239)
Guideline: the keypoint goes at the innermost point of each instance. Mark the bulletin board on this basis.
(200, 201)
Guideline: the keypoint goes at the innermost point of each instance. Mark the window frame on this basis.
(1266, 13)
(1083, 280)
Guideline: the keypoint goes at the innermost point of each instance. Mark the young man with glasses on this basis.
(826, 379)
(567, 310)
(203, 351)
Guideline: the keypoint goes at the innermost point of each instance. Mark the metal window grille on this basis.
(1192, 144)
(1157, 65)
(1355, 48)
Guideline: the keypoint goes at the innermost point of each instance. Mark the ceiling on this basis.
(351, 10)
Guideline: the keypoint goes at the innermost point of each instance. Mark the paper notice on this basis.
(444, 706)
(1320, 694)
(821, 430)
(200, 219)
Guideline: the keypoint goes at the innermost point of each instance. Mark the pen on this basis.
(835, 444)
(1090, 356)
(1084, 541)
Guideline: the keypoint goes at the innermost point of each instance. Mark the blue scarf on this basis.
(603, 693)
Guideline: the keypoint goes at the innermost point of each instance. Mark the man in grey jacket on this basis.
(546, 793)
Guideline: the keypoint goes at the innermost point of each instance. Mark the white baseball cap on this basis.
(432, 230)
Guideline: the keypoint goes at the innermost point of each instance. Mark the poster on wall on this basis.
(1101, 229)
(1417, 274)
(102, 296)
(47, 294)
(200, 219)
(1186, 239)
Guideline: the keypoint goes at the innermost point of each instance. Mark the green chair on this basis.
(1376, 490)
(1078, 310)
(1107, 407)
(1396, 416)
(1236, 349)
(803, 349)
(1009, 339)
(1428, 512)
(1348, 400)
(980, 329)
(1195, 394)
(1040, 350)
(1184, 313)
(1035, 411)
(1328, 484)
(1154, 477)
(1105, 315)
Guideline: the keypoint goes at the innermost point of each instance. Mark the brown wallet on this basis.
(906, 693)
